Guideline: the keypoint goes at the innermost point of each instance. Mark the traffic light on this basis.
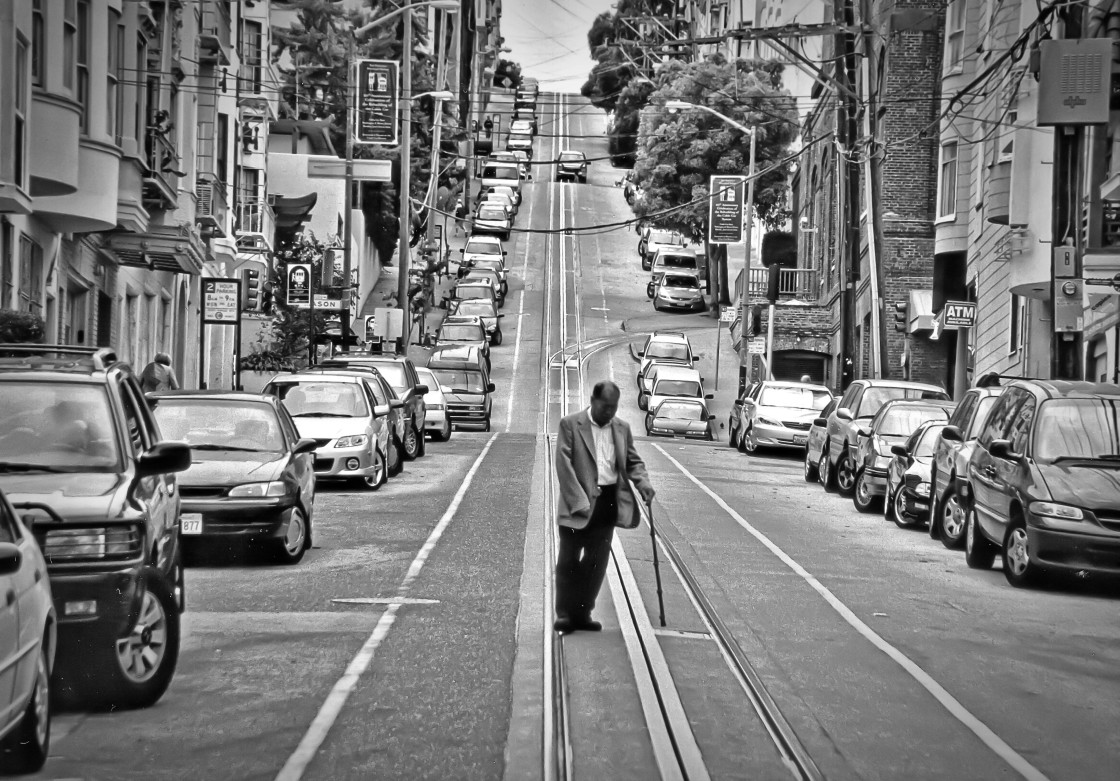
(902, 316)
(773, 281)
(250, 289)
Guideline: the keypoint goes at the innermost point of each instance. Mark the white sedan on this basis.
(436, 424)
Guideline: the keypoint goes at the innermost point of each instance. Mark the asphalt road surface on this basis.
(414, 641)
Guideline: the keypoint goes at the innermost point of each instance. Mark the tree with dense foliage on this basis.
(679, 152)
(21, 326)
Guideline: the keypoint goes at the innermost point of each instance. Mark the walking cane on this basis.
(656, 566)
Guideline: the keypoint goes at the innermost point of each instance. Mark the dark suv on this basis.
(81, 456)
(1044, 481)
(571, 165)
(400, 372)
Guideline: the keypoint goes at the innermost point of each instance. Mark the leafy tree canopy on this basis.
(678, 152)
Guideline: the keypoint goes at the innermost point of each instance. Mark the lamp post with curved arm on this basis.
(680, 105)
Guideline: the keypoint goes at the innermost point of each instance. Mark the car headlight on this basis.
(354, 440)
(258, 490)
(1062, 512)
(882, 449)
(767, 421)
(435, 405)
(922, 489)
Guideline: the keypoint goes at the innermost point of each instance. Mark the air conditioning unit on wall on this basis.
(1075, 81)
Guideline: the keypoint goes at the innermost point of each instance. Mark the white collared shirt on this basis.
(604, 451)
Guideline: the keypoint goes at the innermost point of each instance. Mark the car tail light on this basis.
(69, 544)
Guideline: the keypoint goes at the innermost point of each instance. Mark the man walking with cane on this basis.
(595, 463)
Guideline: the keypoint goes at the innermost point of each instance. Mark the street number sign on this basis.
(378, 96)
(221, 300)
(726, 207)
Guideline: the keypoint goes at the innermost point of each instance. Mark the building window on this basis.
(139, 78)
(38, 44)
(69, 38)
(30, 276)
(954, 35)
(251, 52)
(7, 264)
(83, 60)
(19, 136)
(114, 75)
(1018, 324)
(947, 181)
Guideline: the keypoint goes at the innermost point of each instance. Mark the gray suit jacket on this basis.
(578, 474)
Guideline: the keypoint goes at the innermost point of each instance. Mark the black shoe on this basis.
(564, 625)
(587, 625)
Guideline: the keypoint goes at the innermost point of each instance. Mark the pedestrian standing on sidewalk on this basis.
(460, 216)
(158, 375)
(595, 462)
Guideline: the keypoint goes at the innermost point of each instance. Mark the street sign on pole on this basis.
(728, 314)
(221, 301)
(726, 205)
(378, 97)
(324, 167)
(299, 285)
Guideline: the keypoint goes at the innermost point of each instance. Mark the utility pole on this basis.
(405, 178)
(848, 168)
(872, 189)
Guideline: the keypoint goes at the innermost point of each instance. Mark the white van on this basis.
(499, 174)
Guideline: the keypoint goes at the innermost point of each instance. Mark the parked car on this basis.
(84, 458)
(675, 382)
(652, 239)
(384, 395)
(645, 383)
(488, 276)
(468, 331)
(493, 220)
(251, 477)
(892, 425)
(437, 423)
(814, 443)
(501, 199)
(465, 380)
(679, 290)
(688, 418)
(908, 476)
(950, 464)
(496, 265)
(468, 289)
(354, 439)
(776, 414)
(520, 142)
(28, 625)
(521, 126)
(571, 165)
(662, 346)
(487, 311)
(400, 372)
(1044, 482)
(479, 247)
(523, 163)
(860, 402)
(665, 259)
(501, 173)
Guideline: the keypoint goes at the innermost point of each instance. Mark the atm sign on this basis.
(959, 314)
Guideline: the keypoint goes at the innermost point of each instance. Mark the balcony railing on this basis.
(256, 226)
(212, 209)
(160, 183)
(799, 283)
(214, 35)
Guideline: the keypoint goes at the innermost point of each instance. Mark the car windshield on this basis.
(678, 411)
(666, 237)
(393, 373)
(679, 281)
(467, 292)
(571, 157)
(677, 261)
(668, 350)
(491, 213)
(795, 398)
(459, 381)
(57, 426)
(480, 307)
(676, 388)
(500, 172)
(462, 333)
(874, 398)
(212, 424)
(902, 420)
(928, 442)
(482, 247)
(322, 399)
(1077, 428)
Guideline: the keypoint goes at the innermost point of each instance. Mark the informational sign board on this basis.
(959, 314)
(299, 285)
(361, 170)
(378, 96)
(728, 314)
(388, 323)
(326, 303)
(725, 209)
(756, 347)
(221, 301)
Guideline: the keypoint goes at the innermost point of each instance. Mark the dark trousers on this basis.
(581, 562)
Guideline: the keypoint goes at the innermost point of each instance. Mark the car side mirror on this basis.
(738, 402)
(709, 396)
(900, 450)
(381, 410)
(10, 558)
(843, 414)
(164, 457)
(421, 389)
(952, 434)
(820, 421)
(463, 250)
(396, 404)
(864, 431)
(490, 387)
(1001, 448)
(305, 445)
(711, 417)
(501, 315)
(641, 353)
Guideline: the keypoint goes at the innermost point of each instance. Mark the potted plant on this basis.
(20, 326)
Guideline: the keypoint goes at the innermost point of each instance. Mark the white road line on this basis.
(986, 735)
(308, 747)
(520, 323)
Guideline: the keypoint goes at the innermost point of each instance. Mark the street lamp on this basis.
(673, 106)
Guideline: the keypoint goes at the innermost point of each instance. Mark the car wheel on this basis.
(643, 402)
(979, 553)
(901, 519)
(732, 431)
(845, 475)
(486, 424)
(862, 497)
(380, 474)
(291, 547)
(496, 339)
(25, 750)
(888, 505)
(649, 292)
(750, 442)
(396, 456)
(136, 669)
(656, 308)
(950, 521)
(444, 433)
(1019, 568)
(810, 471)
(411, 444)
(825, 472)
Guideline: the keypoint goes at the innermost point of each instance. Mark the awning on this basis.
(292, 212)
(178, 249)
